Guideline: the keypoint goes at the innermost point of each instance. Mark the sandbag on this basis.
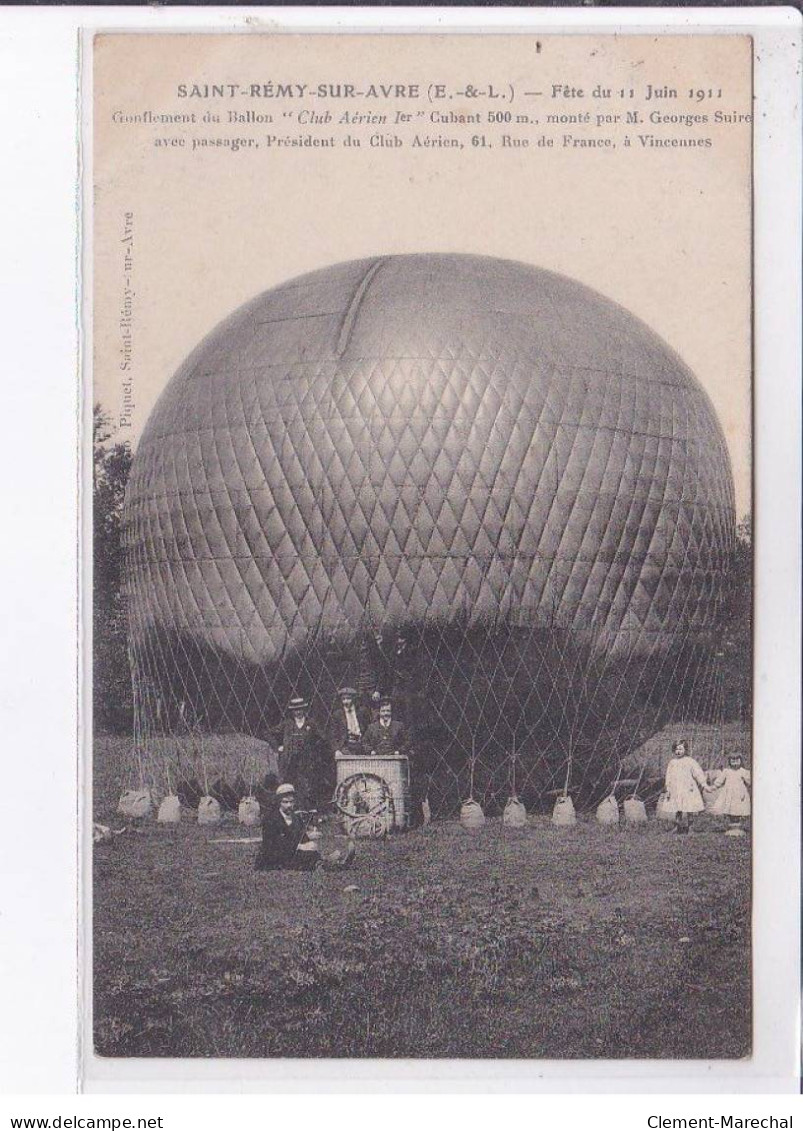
(665, 810)
(135, 803)
(208, 811)
(710, 799)
(563, 813)
(635, 811)
(248, 811)
(170, 810)
(515, 815)
(472, 817)
(608, 811)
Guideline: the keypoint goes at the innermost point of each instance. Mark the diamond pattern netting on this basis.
(493, 459)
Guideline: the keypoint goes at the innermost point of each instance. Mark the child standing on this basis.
(683, 783)
(733, 795)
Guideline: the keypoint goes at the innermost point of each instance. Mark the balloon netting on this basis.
(491, 713)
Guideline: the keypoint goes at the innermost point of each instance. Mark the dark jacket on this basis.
(340, 739)
(387, 740)
(409, 705)
(279, 840)
(304, 763)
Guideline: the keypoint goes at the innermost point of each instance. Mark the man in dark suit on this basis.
(386, 736)
(285, 842)
(406, 673)
(349, 724)
(303, 756)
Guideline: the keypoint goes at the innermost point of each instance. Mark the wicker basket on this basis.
(394, 770)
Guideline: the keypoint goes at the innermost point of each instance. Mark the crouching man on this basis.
(285, 840)
(288, 845)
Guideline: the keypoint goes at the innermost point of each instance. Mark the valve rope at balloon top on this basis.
(479, 488)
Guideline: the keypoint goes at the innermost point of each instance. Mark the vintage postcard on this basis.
(422, 641)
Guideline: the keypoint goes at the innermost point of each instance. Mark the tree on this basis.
(112, 695)
(738, 635)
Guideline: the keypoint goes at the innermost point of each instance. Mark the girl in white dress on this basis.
(683, 785)
(733, 795)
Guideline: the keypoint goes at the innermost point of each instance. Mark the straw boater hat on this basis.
(347, 693)
(298, 704)
(286, 790)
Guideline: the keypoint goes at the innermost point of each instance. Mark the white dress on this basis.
(683, 782)
(733, 796)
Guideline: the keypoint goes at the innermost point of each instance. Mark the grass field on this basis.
(540, 942)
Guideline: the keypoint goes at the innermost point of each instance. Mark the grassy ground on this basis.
(540, 942)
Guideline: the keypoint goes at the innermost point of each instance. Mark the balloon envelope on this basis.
(462, 448)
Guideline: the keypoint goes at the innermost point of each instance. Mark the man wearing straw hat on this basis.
(285, 840)
(303, 757)
(288, 844)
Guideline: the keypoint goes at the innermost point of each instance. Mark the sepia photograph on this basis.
(422, 560)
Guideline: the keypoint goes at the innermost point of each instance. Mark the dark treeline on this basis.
(112, 697)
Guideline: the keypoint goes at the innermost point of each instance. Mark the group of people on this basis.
(307, 762)
(685, 784)
(307, 771)
(307, 755)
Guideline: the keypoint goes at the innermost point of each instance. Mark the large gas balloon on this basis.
(491, 459)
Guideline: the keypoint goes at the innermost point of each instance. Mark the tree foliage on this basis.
(737, 645)
(112, 695)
